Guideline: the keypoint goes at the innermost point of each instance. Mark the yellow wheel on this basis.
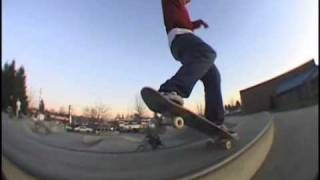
(178, 122)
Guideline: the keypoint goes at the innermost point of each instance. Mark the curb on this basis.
(245, 163)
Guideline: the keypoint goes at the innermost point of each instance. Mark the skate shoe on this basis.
(173, 97)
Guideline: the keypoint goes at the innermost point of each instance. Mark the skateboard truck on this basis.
(219, 142)
(166, 119)
(152, 139)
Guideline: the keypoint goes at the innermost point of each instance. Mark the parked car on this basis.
(101, 130)
(68, 128)
(83, 129)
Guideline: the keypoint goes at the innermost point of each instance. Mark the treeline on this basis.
(233, 107)
(13, 87)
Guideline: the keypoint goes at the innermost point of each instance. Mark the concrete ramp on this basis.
(295, 151)
(187, 158)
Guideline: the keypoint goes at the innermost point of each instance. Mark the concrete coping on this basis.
(253, 155)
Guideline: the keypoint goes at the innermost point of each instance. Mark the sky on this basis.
(83, 53)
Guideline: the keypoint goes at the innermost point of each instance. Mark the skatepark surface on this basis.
(295, 151)
(63, 155)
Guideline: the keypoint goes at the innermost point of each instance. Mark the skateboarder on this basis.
(197, 59)
(18, 104)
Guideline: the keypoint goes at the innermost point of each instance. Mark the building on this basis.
(62, 118)
(294, 88)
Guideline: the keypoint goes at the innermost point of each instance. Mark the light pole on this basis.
(70, 116)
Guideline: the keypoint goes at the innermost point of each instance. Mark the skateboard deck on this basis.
(159, 104)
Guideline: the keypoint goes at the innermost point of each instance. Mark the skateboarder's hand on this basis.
(205, 25)
(198, 23)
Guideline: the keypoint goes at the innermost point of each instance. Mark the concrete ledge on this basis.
(295, 151)
(12, 172)
(244, 164)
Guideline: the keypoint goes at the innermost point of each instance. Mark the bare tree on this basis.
(232, 102)
(102, 111)
(128, 116)
(238, 105)
(99, 111)
(119, 117)
(62, 110)
(86, 112)
(31, 99)
(139, 107)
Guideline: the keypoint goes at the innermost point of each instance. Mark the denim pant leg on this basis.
(196, 58)
(214, 110)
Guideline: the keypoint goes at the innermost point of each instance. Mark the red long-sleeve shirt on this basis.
(176, 16)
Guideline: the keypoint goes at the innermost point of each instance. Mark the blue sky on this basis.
(103, 51)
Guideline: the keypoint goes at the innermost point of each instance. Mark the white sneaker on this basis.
(173, 96)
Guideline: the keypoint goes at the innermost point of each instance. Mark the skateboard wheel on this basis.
(178, 122)
(227, 144)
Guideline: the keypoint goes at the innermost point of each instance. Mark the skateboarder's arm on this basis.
(197, 24)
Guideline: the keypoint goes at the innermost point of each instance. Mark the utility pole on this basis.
(70, 116)
(40, 94)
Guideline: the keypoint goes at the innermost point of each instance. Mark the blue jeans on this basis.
(197, 59)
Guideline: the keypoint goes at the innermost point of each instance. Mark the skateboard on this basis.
(170, 113)
(40, 128)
